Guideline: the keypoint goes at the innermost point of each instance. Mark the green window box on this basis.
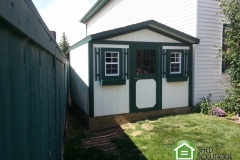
(113, 82)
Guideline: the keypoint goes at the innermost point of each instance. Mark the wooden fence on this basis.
(33, 85)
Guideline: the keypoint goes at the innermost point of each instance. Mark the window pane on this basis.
(146, 62)
(114, 59)
(139, 53)
(172, 54)
(153, 53)
(177, 55)
(145, 70)
(108, 59)
(177, 59)
(108, 66)
(108, 71)
(114, 66)
(108, 54)
(114, 54)
(138, 62)
(172, 59)
(114, 71)
(176, 69)
(176, 65)
(139, 71)
(146, 53)
(152, 70)
(152, 62)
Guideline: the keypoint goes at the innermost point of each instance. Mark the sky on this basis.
(65, 15)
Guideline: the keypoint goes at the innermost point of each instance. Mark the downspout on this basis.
(86, 29)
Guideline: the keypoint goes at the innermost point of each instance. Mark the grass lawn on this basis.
(155, 139)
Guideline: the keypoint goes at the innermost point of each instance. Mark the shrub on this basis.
(205, 106)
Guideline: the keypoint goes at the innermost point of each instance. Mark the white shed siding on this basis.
(174, 94)
(79, 62)
(208, 75)
(118, 13)
(144, 35)
(109, 100)
(79, 76)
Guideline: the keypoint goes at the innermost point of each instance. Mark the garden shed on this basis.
(133, 72)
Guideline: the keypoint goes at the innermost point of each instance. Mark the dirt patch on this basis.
(128, 126)
(143, 147)
(136, 133)
(147, 127)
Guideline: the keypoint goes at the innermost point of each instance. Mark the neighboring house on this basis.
(143, 56)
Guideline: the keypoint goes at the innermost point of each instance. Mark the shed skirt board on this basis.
(103, 122)
(145, 93)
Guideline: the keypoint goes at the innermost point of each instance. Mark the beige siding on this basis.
(207, 73)
(118, 13)
(144, 35)
(109, 100)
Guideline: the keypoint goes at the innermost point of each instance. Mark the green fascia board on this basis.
(95, 8)
(168, 31)
(80, 43)
(113, 82)
(146, 24)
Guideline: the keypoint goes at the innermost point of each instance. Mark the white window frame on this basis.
(180, 54)
(107, 74)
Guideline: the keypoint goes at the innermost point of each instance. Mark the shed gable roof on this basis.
(151, 24)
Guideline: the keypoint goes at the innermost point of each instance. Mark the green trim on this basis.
(147, 25)
(80, 43)
(139, 43)
(113, 82)
(190, 83)
(132, 88)
(91, 80)
(120, 63)
(176, 79)
(95, 8)
(159, 99)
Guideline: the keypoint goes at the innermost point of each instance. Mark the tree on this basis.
(64, 45)
(231, 10)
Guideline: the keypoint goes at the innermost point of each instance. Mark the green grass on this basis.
(155, 139)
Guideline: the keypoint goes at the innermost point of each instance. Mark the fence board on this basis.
(33, 85)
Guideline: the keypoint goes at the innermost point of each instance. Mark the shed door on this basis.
(144, 78)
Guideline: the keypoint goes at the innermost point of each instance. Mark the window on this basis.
(111, 63)
(177, 65)
(110, 66)
(175, 62)
(225, 63)
(146, 62)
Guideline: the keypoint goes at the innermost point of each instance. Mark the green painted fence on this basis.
(33, 85)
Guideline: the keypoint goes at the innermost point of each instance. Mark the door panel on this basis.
(144, 78)
(145, 93)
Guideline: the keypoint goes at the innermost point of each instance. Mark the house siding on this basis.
(208, 74)
(119, 13)
(79, 77)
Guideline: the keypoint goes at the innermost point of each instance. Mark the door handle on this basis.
(135, 78)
